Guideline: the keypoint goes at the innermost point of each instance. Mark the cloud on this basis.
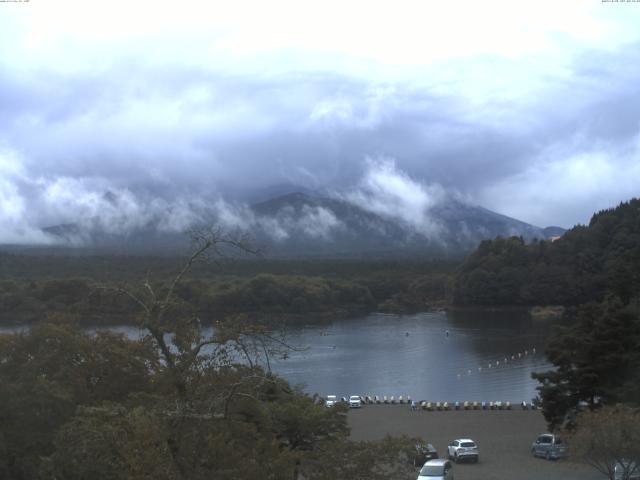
(579, 179)
(309, 221)
(13, 206)
(176, 109)
(391, 193)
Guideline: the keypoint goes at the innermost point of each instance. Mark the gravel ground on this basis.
(503, 437)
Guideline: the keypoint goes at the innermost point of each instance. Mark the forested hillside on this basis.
(35, 287)
(584, 265)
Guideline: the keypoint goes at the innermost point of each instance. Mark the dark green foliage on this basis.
(583, 266)
(597, 361)
(77, 406)
(419, 293)
(286, 294)
(64, 290)
(285, 288)
(48, 371)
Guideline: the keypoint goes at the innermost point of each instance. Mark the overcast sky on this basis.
(531, 109)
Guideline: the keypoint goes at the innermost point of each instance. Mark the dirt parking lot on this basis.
(504, 438)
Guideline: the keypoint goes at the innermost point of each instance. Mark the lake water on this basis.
(413, 355)
(486, 356)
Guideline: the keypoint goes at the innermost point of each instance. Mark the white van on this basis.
(331, 400)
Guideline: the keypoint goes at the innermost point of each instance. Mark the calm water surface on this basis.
(412, 355)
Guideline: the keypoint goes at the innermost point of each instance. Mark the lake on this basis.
(442, 356)
(486, 356)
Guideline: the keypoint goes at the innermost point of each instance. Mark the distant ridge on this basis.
(458, 228)
(304, 224)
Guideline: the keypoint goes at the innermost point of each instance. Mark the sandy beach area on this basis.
(504, 438)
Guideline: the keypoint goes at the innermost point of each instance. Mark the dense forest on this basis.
(584, 265)
(596, 356)
(34, 287)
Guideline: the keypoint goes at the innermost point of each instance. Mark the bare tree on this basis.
(608, 439)
(207, 371)
(176, 329)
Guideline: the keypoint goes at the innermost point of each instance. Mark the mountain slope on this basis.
(331, 225)
(308, 225)
(585, 265)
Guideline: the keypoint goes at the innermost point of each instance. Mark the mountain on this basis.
(323, 226)
(307, 224)
(278, 190)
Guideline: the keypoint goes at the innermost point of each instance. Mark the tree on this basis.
(391, 457)
(596, 362)
(607, 438)
(49, 370)
(217, 409)
(183, 402)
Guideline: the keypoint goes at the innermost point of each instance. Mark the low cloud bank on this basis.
(96, 206)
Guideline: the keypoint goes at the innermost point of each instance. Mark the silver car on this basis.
(549, 446)
(440, 469)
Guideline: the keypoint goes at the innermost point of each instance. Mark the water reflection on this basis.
(486, 356)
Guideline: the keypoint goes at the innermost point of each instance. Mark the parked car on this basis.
(632, 469)
(549, 446)
(423, 453)
(440, 469)
(355, 401)
(463, 448)
(331, 400)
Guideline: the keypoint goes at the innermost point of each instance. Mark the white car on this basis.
(355, 401)
(439, 469)
(632, 469)
(463, 448)
(331, 400)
